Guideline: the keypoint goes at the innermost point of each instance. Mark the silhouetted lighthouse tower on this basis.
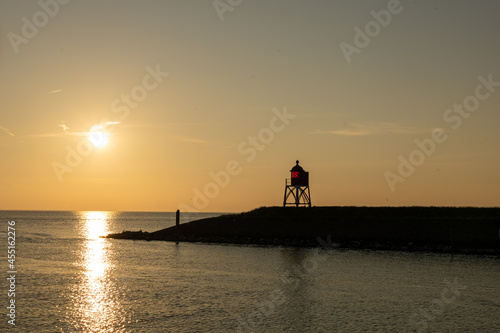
(297, 188)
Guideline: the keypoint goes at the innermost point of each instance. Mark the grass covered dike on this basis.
(434, 229)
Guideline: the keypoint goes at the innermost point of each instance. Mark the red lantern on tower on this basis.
(297, 187)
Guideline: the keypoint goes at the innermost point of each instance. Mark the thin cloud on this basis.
(373, 128)
(58, 135)
(106, 126)
(6, 130)
(63, 126)
(190, 139)
(103, 126)
(54, 91)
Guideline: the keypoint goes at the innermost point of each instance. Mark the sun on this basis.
(97, 137)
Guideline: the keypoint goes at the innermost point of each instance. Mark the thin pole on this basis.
(297, 198)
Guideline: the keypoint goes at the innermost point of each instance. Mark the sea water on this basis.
(68, 279)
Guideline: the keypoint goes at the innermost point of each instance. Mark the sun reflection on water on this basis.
(96, 308)
(96, 256)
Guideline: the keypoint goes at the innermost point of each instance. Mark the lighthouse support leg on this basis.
(301, 196)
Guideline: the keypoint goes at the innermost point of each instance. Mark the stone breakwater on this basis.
(431, 229)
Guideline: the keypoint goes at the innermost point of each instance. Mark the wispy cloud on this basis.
(58, 135)
(189, 139)
(373, 128)
(6, 130)
(63, 126)
(54, 91)
(105, 126)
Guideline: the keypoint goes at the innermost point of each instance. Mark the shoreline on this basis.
(416, 229)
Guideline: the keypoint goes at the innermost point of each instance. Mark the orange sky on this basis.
(383, 104)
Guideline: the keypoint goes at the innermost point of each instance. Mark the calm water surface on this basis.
(70, 280)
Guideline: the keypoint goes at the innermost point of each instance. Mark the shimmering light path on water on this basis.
(95, 308)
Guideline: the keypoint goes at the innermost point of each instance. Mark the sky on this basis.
(206, 105)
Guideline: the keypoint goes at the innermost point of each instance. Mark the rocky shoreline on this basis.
(427, 229)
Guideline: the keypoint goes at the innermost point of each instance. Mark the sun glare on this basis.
(97, 137)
